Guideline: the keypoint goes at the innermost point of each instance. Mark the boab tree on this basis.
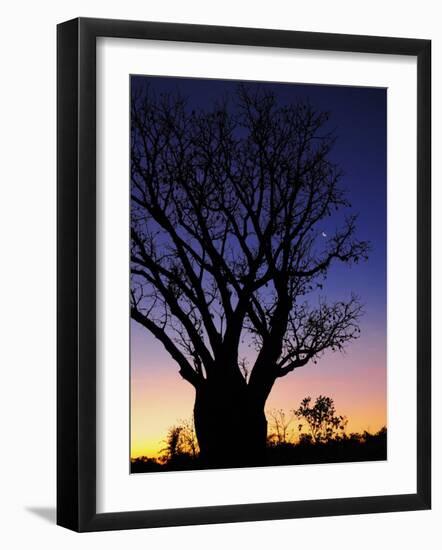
(227, 245)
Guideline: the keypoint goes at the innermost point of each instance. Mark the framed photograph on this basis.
(243, 274)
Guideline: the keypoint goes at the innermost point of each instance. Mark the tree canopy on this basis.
(226, 239)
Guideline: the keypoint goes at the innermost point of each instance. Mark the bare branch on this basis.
(227, 206)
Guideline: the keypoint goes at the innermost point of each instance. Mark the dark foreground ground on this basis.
(358, 448)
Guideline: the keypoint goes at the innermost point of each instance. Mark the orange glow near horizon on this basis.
(356, 381)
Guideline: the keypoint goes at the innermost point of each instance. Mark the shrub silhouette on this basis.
(321, 418)
(279, 425)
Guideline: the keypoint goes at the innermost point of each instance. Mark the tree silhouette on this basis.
(321, 418)
(189, 442)
(226, 244)
(280, 432)
(174, 443)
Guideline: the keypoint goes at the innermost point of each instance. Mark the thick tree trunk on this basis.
(230, 425)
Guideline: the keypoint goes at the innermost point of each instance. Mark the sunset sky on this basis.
(356, 379)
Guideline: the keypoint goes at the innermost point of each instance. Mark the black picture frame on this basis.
(76, 274)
